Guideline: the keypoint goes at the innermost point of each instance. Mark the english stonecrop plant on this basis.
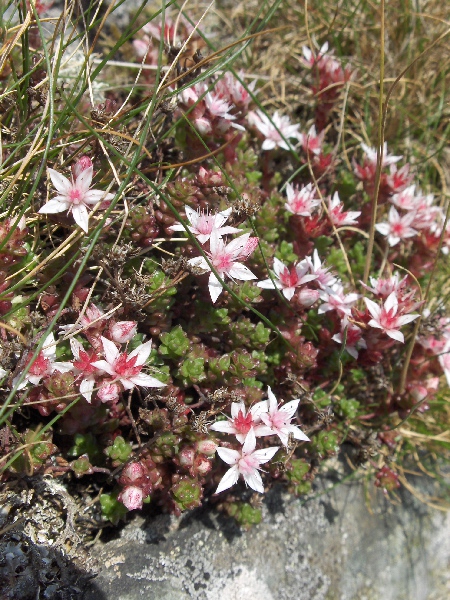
(213, 315)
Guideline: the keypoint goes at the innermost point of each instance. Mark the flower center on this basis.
(247, 464)
(75, 196)
(289, 278)
(125, 367)
(243, 423)
(205, 223)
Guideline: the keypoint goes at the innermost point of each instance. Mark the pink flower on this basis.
(278, 420)
(123, 331)
(126, 368)
(371, 154)
(231, 89)
(287, 279)
(277, 130)
(397, 228)
(83, 163)
(74, 196)
(131, 497)
(386, 317)
(43, 365)
(83, 363)
(109, 391)
(385, 287)
(92, 319)
(406, 199)
(307, 297)
(323, 277)
(301, 201)
(245, 462)
(241, 421)
(224, 259)
(335, 299)
(311, 141)
(337, 215)
(203, 224)
(310, 59)
(352, 335)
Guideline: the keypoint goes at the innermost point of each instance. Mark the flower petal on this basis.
(223, 427)
(250, 442)
(298, 433)
(215, 287)
(290, 408)
(81, 217)
(61, 183)
(86, 388)
(273, 403)
(84, 179)
(54, 206)
(110, 349)
(228, 480)
(254, 481)
(102, 365)
(142, 352)
(265, 454)
(144, 380)
(231, 457)
(395, 335)
(236, 407)
(240, 271)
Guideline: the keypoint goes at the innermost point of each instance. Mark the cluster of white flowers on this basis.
(225, 258)
(263, 419)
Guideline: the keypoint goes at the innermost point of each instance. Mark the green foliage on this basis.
(119, 452)
(285, 253)
(187, 493)
(112, 509)
(348, 408)
(321, 398)
(174, 343)
(167, 444)
(325, 443)
(245, 333)
(82, 466)
(85, 443)
(245, 514)
(192, 370)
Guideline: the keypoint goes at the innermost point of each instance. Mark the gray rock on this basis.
(346, 544)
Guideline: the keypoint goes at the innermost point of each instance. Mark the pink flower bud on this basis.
(203, 125)
(93, 313)
(132, 472)
(123, 331)
(207, 447)
(81, 165)
(109, 392)
(202, 466)
(131, 497)
(187, 456)
(142, 47)
(307, 297)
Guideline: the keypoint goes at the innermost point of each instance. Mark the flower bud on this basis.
(203, 125)
(307, 297)
(109, 392)
(132, 472)
(202, 466)
(187, 456)
(123, 331)
(81, 165)
(207, 447)
(131, 497)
